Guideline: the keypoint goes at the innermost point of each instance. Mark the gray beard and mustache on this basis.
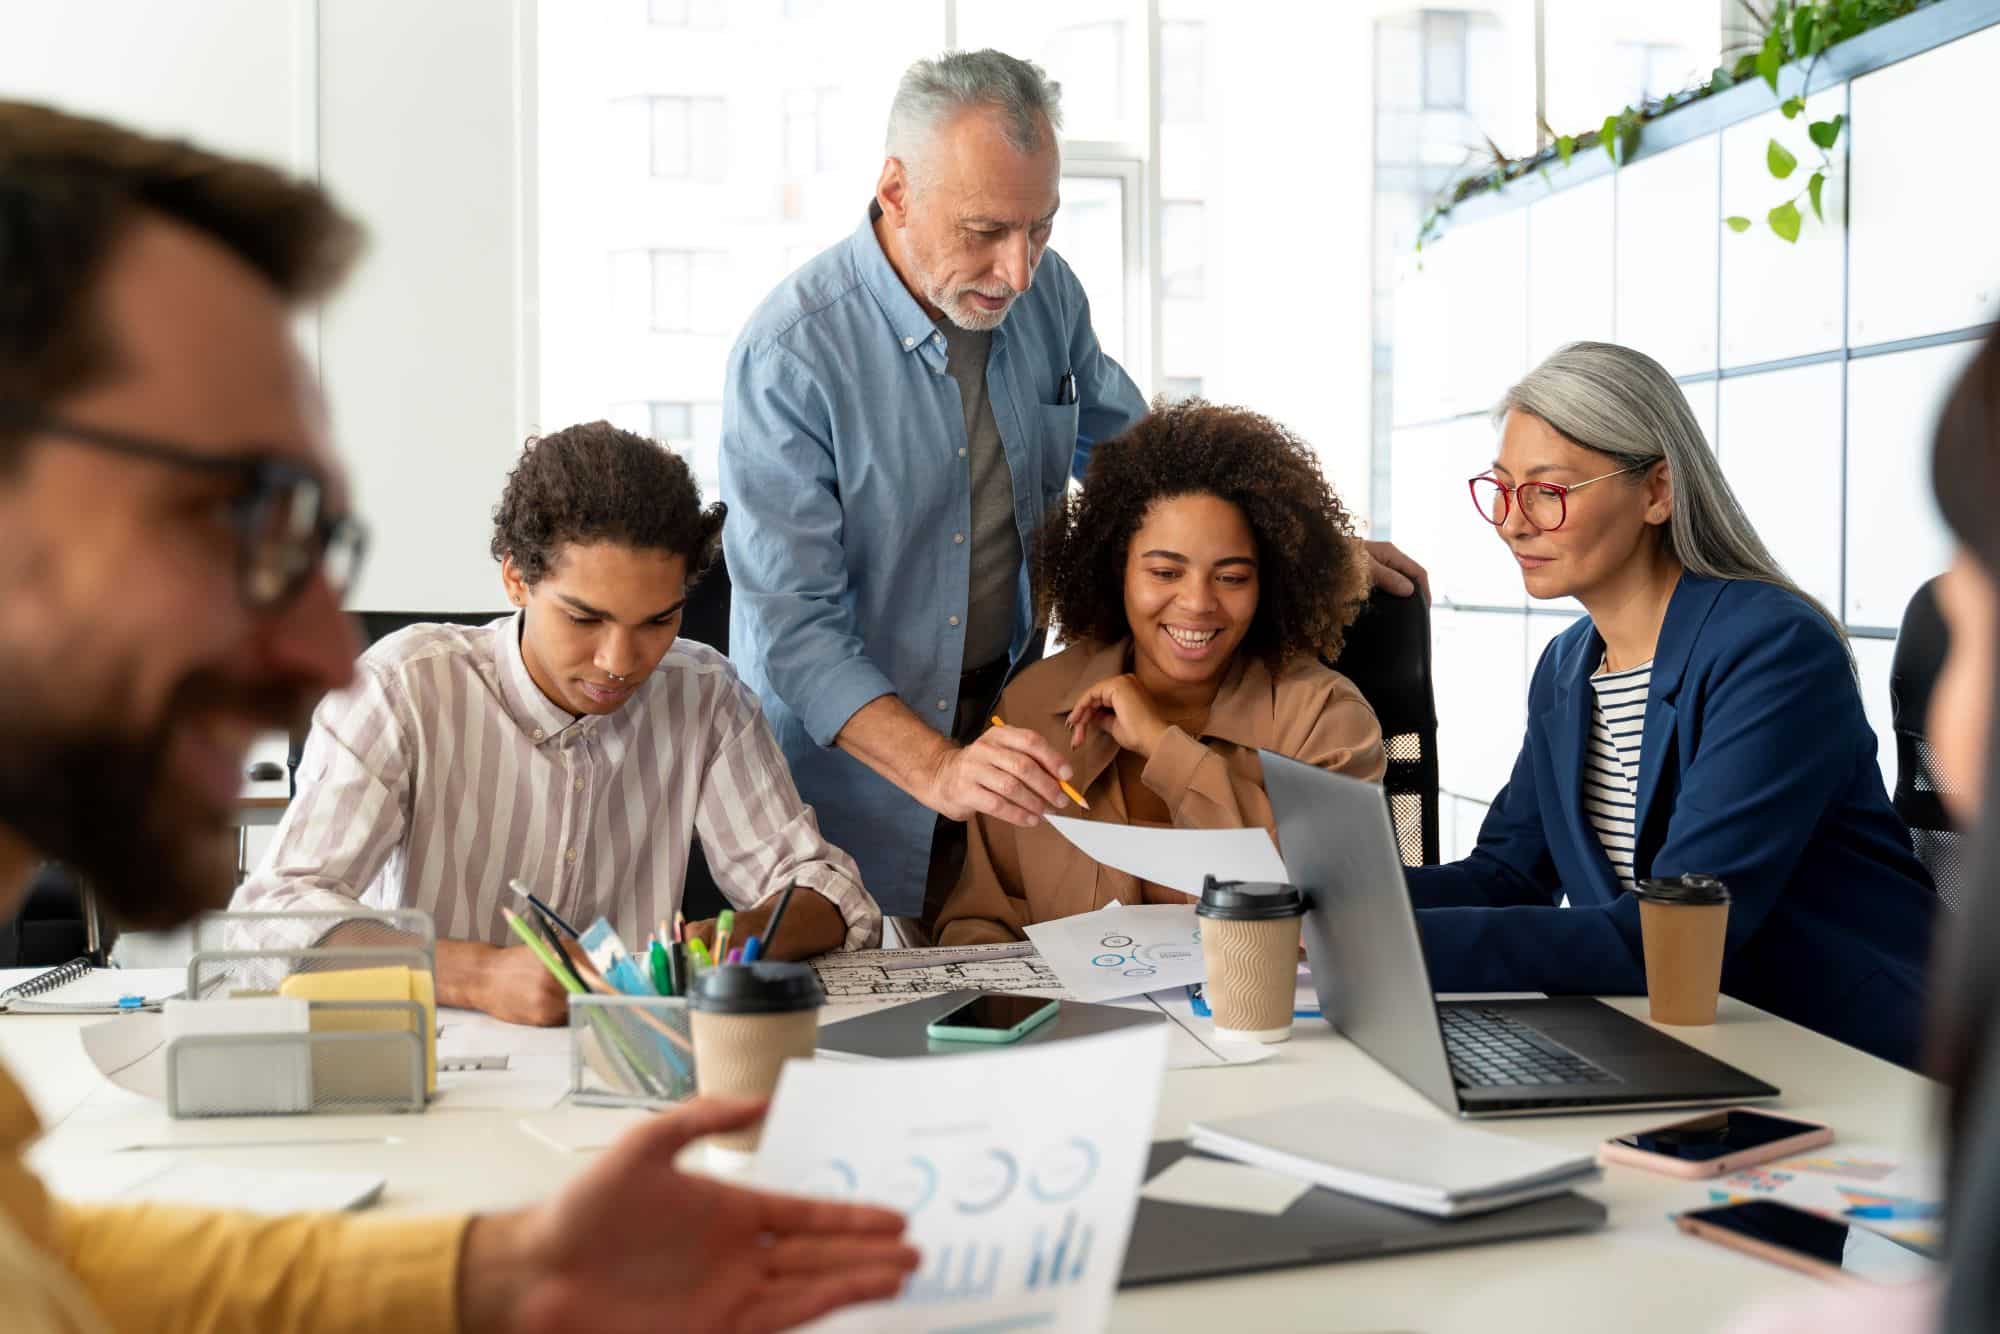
(99, 799)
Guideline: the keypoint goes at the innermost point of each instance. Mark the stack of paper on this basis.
(1419, 1163)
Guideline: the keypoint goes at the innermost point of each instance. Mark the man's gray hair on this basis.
(933, 91)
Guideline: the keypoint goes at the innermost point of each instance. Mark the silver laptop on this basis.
(1475, 1058)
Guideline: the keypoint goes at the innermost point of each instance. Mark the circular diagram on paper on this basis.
(989, 1179)
(1061, 1172)
(831, 1180)
(909, 1187)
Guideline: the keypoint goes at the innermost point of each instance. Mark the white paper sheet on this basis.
(1211, 1183)
(1877, 1187)
(1019, 1172)
(1176, 858)
(1120, 951)
(1191, 1040)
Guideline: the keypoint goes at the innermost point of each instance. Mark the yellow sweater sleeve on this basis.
(203, 1271)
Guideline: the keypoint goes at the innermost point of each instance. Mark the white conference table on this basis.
(1637, 1273)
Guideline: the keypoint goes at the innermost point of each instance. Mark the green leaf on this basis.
(1780, 160)
(1565, 147)
(1720, 78)
(1784, 220)
(1738, 223)
(1771, 59)
(1802, 29)
(1813, 188)
(1607, 135)
(1826, 132)
(1792, 106)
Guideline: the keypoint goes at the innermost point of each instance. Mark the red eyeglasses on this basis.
(1543, 504)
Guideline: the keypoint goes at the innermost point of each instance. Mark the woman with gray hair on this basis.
(1704, 718)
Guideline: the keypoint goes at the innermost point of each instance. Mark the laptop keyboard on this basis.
(1486, 1048)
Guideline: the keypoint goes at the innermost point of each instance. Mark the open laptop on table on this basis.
(1472, 1058)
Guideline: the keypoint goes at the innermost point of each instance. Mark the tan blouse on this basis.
(1016, 876)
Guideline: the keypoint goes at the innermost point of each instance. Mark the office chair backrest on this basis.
(1387, 654)
(1920, 649)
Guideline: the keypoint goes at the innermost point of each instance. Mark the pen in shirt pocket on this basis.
(1066, 388)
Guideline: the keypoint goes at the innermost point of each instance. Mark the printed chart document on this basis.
(1176, 858)
(1881, 1188)
(1019, 1173)
(1123, 951)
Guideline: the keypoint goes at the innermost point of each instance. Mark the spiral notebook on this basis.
(78, 988)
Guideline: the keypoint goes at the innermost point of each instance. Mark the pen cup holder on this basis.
(630, 1051)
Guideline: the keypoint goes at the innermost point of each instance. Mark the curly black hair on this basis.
(1312, 573)
(596, 483)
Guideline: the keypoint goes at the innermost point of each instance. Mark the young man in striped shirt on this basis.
(577, 745)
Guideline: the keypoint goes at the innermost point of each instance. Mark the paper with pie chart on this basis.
(1121, 951)
(1018, 1171)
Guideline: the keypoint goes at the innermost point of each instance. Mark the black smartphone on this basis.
(1822, 1247)
(1716, 1142)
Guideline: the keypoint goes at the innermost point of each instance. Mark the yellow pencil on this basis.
(1068, 791)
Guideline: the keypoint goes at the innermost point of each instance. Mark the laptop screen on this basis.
(1360, 931)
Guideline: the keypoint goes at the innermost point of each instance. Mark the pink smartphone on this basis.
(1715, 1143)
(1826, 1248)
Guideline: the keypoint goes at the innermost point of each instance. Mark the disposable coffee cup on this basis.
(1250, 947)
(747, 1020)
(1683, 923)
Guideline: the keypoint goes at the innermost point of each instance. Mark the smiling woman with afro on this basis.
(1198, 575)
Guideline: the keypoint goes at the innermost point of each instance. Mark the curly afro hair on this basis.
(596, 483)
(1312, 573)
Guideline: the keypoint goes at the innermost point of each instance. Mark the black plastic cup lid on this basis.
(1693, 889)
(757, 988)
(1247, 901)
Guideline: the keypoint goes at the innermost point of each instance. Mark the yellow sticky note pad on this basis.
(341, 1071)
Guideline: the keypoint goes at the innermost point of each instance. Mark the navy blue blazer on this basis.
(1758, 766)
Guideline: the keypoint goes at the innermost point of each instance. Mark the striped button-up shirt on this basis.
(443, 772)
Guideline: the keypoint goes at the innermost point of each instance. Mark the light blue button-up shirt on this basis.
(850, 513)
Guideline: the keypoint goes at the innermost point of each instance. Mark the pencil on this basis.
(540, 950)
(544, 909)
(770, 932)
(1068, 791)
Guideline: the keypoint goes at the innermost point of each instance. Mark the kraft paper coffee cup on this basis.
(1683, 923)
(747, 1020)
(1250, 945)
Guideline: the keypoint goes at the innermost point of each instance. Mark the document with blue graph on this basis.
(1019, 1172)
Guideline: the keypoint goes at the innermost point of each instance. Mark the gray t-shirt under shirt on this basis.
(996, 542)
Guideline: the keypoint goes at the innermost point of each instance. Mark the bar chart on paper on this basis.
(1017, 1172)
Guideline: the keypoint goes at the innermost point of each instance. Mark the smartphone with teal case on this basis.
(992, 1019)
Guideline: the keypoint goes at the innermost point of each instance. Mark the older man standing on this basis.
(900, 413)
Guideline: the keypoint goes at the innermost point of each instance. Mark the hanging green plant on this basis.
(1792, 31)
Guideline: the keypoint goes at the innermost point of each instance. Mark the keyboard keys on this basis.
(1487, 1049)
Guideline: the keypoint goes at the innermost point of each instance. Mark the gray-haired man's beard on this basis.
(101, 803)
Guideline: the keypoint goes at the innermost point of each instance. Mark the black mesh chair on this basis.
(52, 926)
(1920, 649)
(1387, 654)
(705, 620)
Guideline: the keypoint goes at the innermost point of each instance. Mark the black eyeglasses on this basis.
(279, 514)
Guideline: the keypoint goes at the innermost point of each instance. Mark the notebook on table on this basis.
(78, 988)
(1426, 1164)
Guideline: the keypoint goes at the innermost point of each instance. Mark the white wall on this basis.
(1829, 452)
(1292, 216)
(412, 114)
